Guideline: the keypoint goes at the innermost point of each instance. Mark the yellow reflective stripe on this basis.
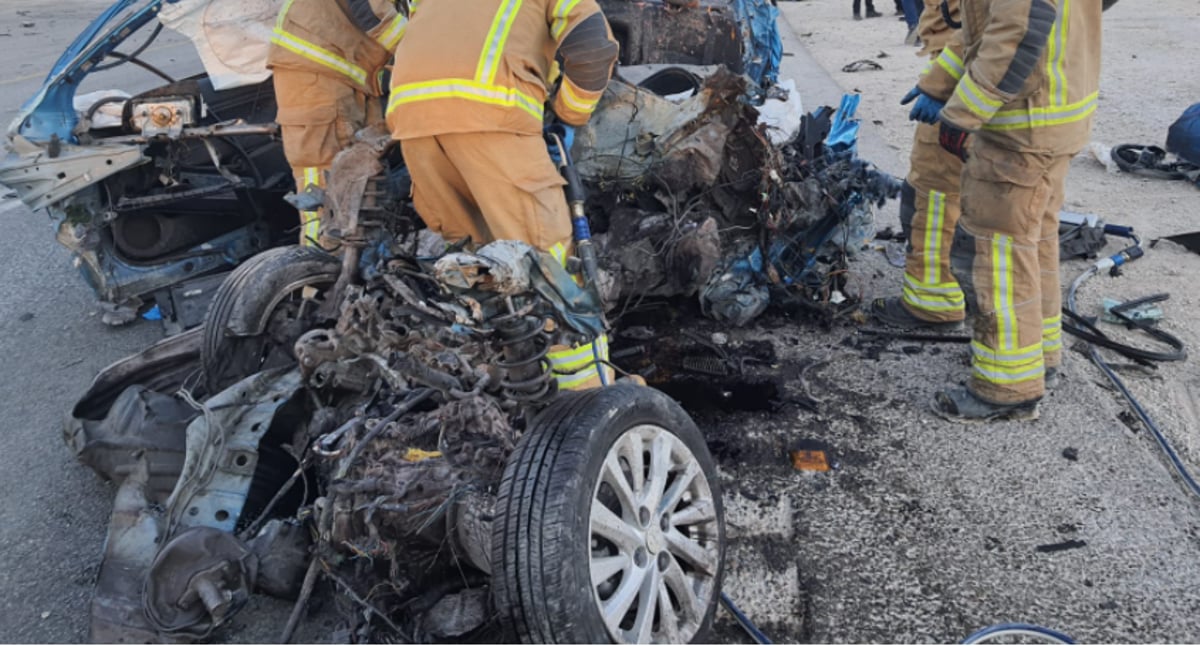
(489, 58)
(1042, 117)
(574, 101)
(573, 381)
(312, 224)
(1007, 367)
(571, 359)
(287, 6)
(1002, 357)
(950, 62)
(312, 177)
(1056, 56)
(561, 11)
(1006, 315)
(995, 377)
(1052, 333)
(940, 297)
(319, 55)
(464, 89)
(975, 99)
(559, 251)
(933, 236)
(928, 67)
(391, 37)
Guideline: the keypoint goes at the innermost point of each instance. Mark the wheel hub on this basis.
(654, 540)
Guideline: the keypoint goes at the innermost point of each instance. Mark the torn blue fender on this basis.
(51, 112)
(760, 35)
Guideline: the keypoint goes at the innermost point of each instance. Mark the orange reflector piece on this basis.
(810, 461)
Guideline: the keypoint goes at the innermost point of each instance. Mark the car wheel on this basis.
(261, 309)
(609, 526)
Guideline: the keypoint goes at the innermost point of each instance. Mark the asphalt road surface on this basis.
(55, 511)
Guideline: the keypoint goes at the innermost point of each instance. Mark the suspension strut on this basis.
(525, 344)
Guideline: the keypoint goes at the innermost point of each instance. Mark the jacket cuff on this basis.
(389, 32)
(942, 75)
(574, 106)
(971, 106)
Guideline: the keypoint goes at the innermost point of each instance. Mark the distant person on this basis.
(911, 9)
(871, 13)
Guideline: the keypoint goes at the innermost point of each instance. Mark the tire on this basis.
(546, 545)
(237, 342)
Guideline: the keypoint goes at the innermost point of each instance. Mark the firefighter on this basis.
(467, 103)
(327, 57)
(1022, 104)
(931, 298)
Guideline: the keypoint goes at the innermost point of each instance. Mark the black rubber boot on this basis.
(892, 313)
(959, 405)
(1052, 378)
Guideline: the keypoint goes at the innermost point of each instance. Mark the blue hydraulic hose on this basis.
(744, 621)
(1028, 630)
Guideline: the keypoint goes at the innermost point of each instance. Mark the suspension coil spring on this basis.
(525, 344)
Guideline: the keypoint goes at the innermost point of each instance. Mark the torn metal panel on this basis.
(42, 176)
(141, 424)
(635, 133)
(116, 614)
(223, 450)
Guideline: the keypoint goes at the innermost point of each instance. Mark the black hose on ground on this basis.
(744, 621)
(1095, 337)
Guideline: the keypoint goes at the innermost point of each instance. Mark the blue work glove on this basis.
(565, 133)
(926, 109)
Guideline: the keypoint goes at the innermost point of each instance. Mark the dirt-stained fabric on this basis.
(1005, 256)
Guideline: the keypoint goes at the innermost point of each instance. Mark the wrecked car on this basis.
(384, 418)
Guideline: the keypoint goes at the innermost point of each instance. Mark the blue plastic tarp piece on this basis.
(760, 35)
(1183, 138)
(153, 314)
(843, 133)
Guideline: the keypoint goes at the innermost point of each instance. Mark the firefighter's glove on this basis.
(566, 134)
(925, 109)
(954, 140)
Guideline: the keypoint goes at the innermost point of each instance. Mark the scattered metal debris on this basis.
(860, 65)
(1061, 547)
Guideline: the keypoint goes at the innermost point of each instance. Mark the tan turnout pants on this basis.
(929, 211)
(318, 116)
(1005, 255)
(489, 186)
(501, 186)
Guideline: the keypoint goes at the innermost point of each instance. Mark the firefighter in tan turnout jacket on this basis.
(327, 57)
(468, 101)
(1023, 81)
(929, 201)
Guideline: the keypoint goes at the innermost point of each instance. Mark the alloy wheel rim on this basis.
(654, 539)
